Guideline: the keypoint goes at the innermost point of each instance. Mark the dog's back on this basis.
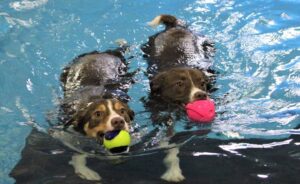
(177, 46)
(92, 69)
(92, 76)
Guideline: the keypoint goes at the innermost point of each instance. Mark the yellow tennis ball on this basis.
(115, 139)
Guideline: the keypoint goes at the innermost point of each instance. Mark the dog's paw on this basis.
(79, 164)
(88, 174)
(171, 161)
(173, 176)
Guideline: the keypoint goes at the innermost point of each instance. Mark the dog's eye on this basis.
(122, 111)
(98, 113)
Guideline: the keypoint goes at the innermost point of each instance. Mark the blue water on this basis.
(258, 60)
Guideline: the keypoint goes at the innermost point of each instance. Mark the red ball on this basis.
(201, 111)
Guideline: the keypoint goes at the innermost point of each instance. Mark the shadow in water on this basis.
(202, 160)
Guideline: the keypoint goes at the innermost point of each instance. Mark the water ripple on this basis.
(27, 5)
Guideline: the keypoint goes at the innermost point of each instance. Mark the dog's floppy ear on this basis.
(80, 117)
(131, 114)
(157, 82)
(129, 111)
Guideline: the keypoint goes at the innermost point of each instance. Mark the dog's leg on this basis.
(79, 163)
(171, 161)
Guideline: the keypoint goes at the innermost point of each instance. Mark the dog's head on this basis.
(180, 85)
(101, 116)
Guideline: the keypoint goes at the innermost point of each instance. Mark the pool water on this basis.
(257, 60)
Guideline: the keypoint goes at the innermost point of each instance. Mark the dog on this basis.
(95, 86)
(179, 63)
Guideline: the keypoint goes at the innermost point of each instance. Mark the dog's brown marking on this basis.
(178, 84)
(96, 119)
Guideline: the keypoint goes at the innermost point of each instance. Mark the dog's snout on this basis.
(200, 96)
(118, 123)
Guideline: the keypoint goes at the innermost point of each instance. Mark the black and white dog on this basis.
(179, 62)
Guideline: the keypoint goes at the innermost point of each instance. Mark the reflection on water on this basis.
(233, 147)
(257, 58)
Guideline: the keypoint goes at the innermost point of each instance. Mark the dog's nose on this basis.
(200, 96)
(118, 123)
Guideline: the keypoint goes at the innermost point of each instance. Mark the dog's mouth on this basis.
(186, 103)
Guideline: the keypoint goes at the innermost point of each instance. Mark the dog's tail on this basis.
(168, 20)
(121, 42)
(123, 45)
(121, 50)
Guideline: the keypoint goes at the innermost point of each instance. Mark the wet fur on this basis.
(178, 63)
(92, 82)
(90, 78)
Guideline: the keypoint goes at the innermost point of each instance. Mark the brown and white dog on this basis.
(95, 86)
(179, 63)
(91, 84)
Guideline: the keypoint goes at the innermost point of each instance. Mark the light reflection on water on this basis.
(254, 50)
